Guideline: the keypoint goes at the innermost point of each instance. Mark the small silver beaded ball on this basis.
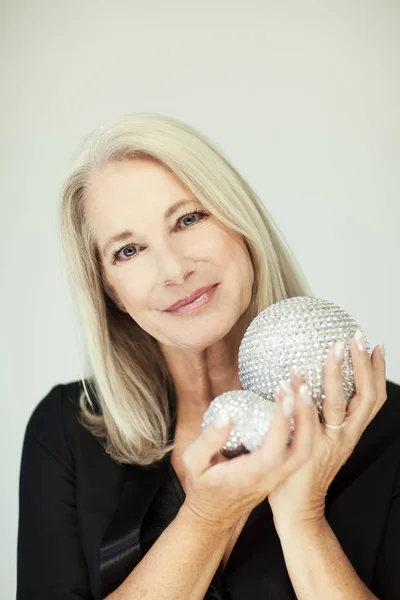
(251, 418)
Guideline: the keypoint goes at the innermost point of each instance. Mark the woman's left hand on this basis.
(301, 498)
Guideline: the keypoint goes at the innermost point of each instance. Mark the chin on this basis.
(200, 336)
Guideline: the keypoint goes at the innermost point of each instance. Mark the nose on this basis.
(173, 265)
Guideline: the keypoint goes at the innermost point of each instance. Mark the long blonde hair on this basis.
(129, 379)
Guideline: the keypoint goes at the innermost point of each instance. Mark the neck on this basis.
(200, 377)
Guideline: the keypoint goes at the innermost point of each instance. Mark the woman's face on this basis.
(165, 256)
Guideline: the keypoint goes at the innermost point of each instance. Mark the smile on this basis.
(197, 304)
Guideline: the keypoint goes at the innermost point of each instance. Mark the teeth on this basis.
(196, 299)
(193, 301)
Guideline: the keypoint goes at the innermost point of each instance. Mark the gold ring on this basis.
(335, 426)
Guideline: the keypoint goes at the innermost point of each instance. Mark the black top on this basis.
(266, 573)
(85, 521)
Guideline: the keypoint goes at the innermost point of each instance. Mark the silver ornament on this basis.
(296, 333)
(254, 428)
(242, 405)
(251, 417)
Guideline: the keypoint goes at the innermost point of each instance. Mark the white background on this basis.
(304, 99)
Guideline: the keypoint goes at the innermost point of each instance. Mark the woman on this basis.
(122, 496)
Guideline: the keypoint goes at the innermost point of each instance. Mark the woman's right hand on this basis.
(221, 491)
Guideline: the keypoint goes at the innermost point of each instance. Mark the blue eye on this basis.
(200, 215)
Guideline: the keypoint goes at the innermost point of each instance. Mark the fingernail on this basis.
(288, 404)
(221, 419)
(339, 351)
(359, 337)
(286, 387)
(305, 394)
(382, 350)
(298, 373)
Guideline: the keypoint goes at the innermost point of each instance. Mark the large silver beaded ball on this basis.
(251, 417)
(296, 333)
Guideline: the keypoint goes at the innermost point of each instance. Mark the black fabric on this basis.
(258, 539)
(162, 511)
(85, 521)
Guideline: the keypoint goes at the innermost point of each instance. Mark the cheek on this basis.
(245, 274)
(237, 256)
(133, 289)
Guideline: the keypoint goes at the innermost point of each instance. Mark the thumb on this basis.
(200, 454)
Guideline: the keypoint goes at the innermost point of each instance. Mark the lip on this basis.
(191, 298)
(196, 305)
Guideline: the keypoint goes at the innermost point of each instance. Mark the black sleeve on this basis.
(50, 560)
(387, 572)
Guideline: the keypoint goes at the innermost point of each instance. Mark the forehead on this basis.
(130, 194)
(132, 181)
(131, 187)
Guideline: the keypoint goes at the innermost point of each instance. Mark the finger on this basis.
(379, 367)
(198, 455)
(362, 404)
(335, 404)
(306, 428)
(256, 464)
(274, 447)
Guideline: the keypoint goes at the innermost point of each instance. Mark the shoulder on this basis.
(387, 423)
(379, 445)
(393, 391)
(60, 403)
(384, 429)
(383, 432)
(54, 422)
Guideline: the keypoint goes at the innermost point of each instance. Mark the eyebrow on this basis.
(129, 233)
